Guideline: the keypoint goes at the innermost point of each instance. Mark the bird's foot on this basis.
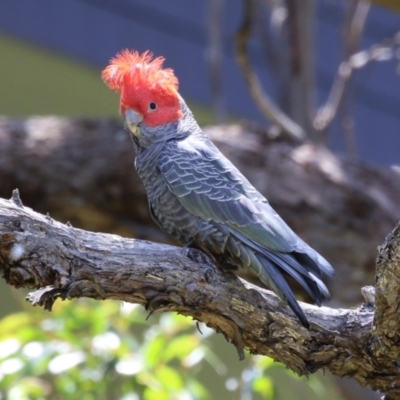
(198, 256)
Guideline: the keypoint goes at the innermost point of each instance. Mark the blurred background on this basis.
(330, 69)
(52, 53)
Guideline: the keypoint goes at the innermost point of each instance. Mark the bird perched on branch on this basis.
(197, 195)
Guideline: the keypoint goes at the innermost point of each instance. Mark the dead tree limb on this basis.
(62, 262)
(81, 170)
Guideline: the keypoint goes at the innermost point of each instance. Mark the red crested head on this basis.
(145, 86)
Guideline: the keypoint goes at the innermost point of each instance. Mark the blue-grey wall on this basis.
(94, 30)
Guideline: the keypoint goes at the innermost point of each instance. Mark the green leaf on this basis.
(12, 324)
(197, 389)
(169, 378)
(153, 351)
(153, 394)
(180, 347)
(264, 386)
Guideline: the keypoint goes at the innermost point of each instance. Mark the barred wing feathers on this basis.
(211, 188)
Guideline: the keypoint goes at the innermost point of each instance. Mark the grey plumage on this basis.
(197, 196)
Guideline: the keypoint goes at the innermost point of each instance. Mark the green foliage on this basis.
(88, 350)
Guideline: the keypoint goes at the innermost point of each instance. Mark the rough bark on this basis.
(82, 170)
(61, 261)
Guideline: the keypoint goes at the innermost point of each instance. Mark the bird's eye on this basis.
(152, 106)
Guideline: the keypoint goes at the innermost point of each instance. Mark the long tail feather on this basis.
(273, 273)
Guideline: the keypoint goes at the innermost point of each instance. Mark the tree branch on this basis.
(383, 51)
(63, 262)
(297, 47)
(81, 170)
(264, 103)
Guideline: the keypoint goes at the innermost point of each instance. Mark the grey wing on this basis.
(210, 187)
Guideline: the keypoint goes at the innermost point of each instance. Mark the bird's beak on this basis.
(133, 119)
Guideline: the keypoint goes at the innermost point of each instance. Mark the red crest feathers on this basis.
(141, 80)
(129, 68)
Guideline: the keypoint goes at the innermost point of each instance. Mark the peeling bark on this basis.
(63, 262)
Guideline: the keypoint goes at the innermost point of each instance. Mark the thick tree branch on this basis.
(81, 170)
(38, 252)
(388, 288)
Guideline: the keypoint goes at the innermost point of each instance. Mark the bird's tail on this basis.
(301, 268)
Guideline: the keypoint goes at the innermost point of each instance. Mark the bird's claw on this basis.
(196, 255)
(156, 300)
(208, 274)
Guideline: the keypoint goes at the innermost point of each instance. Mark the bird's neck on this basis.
(146, 157)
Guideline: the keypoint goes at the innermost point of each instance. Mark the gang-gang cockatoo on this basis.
(197, 195)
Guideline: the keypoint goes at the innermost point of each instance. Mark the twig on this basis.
(264, 103)
(327, 112)
(300, 81)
